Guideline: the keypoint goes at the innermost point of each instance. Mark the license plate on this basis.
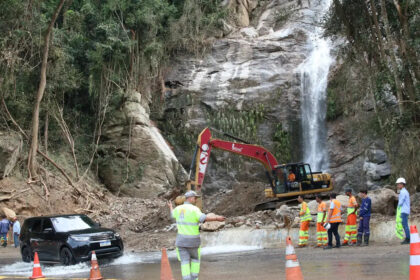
(105, 243)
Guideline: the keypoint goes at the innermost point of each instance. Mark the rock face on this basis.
(242, 9)
(135, 159)
(248, 85)
(10, 148)
(355, 162)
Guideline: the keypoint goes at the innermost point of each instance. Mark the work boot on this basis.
(406, 241)
(366, 238)
(359, 240)
(328, 247)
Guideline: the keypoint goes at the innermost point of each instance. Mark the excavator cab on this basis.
(293, 179)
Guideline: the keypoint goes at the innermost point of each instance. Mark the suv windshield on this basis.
(71, 223)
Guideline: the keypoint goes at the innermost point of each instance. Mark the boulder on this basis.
(383, 201)
(344, 200)
(212, 226)
(415, 203)
(377, 156)
(313, 206)
(10, 149)
(9, 213)
(135, 160)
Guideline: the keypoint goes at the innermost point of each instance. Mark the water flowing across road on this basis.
(314, 79)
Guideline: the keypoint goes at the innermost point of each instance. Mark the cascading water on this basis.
(314, 78)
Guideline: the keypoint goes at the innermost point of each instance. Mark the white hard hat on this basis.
(400, 181)
(327, 225)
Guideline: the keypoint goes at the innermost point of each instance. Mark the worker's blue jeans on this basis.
(16, 239)
(404, 218)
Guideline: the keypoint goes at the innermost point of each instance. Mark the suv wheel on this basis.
(26, 254)
(66, 257)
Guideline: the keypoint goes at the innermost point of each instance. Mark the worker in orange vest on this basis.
(321, 232)
(305, 219)
(291, 177)
(333, 221)
(351, 226)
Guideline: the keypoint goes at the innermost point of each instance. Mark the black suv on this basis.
(67, 239)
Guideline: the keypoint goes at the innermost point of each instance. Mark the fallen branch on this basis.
(39, 152)
(61, 171)
(12, 119)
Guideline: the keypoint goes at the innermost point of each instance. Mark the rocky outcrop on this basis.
(356, 162)
(135, 159)
(242, 10)
(10, 149)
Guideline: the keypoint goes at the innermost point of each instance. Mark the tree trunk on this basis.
(407, 62)
(377, 28)
(47, 120)
(394, 65)
(40, 93)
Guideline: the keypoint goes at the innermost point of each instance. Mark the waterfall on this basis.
(314, 79)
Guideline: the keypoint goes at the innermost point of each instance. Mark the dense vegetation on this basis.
(98, 50)
(382, 66)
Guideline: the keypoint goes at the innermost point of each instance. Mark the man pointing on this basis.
(188, 217)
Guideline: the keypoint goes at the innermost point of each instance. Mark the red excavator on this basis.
(305, 181)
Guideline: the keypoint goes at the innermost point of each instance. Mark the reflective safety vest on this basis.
(187, 219)
(352, 205)
(322, 207)
(399, 230)
(306, 216)
(336, 214)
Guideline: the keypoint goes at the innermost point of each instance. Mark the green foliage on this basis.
(334, 106)
(99, 51)
(282, 147)
(243, 124)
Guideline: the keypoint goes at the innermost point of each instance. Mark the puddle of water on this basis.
(22, 268)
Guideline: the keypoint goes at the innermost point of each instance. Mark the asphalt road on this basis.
(385, 262)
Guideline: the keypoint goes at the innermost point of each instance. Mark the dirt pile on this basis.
(240, 200)
(54, 198)
(143, 223)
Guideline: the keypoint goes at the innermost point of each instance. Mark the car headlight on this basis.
(116, 234)
(80, 238)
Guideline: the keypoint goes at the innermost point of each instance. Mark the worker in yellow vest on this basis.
(351, 226)
(321, 232)
(305, 219)
(333, 221)
(188, 217)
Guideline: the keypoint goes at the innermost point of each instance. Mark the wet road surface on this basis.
(373, 262)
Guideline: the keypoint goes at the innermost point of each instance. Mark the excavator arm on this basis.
(205, 143)
(307, 183)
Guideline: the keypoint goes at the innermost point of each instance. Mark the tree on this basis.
(39, 95)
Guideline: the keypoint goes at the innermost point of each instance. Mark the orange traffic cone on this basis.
(36, 272)
(414, 253)
(165, 267)
(95, 274)
(293, 271)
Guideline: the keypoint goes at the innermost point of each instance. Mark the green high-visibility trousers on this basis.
(190, 262)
